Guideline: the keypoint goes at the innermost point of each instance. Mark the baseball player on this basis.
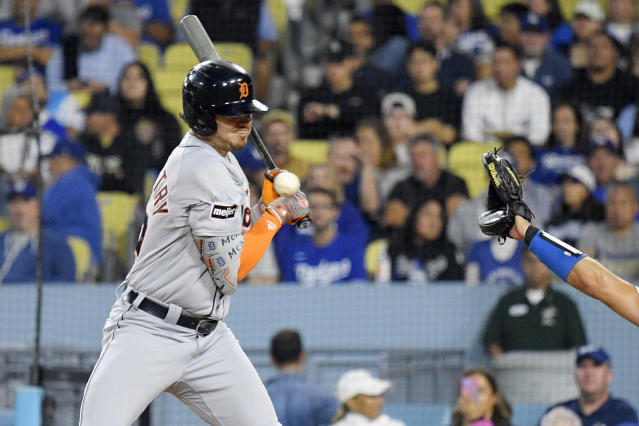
(165, 330)
(508, 215)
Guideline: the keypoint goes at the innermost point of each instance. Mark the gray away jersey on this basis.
(198, 193)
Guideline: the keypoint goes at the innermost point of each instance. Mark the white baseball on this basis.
(286, 183)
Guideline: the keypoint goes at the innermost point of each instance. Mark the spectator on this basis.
(572, 40)
(69, 206)
(595, 405)
(480, 402)
(328, 256)
(534, 317)
(549, 10)
(456, 70)
(422, 253)
(462, 229)
(427, 180)
(437, 108)
(601, 88)
(279, 130)
(615, 242)
(578, 206)
(560, 416)
(92, 60)
(297, 401)
(565, 147)
(621, 20)
(44, 35)
(605, 155)
(338, 103)
(232, 21)
(506, 104)
(61, 11)
(19, 245)
(398, 114)
(492, 263)
(508, 29)
(540, 62)
(362, 400)
(469, 20)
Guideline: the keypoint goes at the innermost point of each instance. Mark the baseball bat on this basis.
(204, 49)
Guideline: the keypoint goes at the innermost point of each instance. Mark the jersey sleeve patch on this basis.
(223, 211)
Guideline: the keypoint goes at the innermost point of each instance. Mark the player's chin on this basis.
(240, 140)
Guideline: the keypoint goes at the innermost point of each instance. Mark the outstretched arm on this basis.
(592, 278)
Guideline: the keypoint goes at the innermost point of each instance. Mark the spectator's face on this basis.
(536, 274)
(278, 136)
(319, 176)
(505, 68)
(564, 125)
(370, 144)
(343, 156)
(368, 406)
(481, 404)
(574, 192)
(38, 85)
(91, 34)
(134, 86)
(604, 164)
(422, 66)
(621, 208)
(360, 36)
(602, 54)
(533, 43)
(100, 122)
(429, 221)
(431, 22)
(509, 26)
(20, 112)
(593, 378)
(399, 123)
(338, 72)
(424, 160)
(23, 213)
(584, 27)
(461, 11)
(621, 11)
(523, 158)
(324, 211)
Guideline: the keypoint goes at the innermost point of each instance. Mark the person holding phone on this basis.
(480, 402)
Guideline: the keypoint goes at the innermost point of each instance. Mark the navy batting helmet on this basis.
(217, 88)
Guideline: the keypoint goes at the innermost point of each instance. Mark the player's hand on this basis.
(518, 231)
(291, 209)
(268, 191)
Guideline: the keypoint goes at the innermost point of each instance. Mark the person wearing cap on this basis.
(506, 104)
(605, 155)
(578, 206)
(335, 106)
(540, 62)
(70, 206)
(398, 112)
(361, 398)
(19, 245)
(297, 401)
(560, 416)
(601, 87)
(571, 39)
(615, 242)
(595, 406)
(508, 28)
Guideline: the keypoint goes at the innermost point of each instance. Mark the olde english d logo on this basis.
(244, 90)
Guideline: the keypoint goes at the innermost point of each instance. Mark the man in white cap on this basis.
(362, 399)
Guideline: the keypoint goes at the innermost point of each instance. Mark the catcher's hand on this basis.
(505, 197)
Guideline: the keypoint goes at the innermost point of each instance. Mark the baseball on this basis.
(286, 183)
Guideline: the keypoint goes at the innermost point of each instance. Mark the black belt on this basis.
(202, 325)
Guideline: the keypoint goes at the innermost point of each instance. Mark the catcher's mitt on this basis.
(505, 196)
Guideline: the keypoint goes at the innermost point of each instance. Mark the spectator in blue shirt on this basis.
(328, 256)
(44, 35)
(70, 206)
(595, 405)
(297, 401)
(19, 245)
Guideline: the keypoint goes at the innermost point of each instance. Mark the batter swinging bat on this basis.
(203, 47)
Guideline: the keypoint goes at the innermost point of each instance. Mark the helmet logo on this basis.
(244, 90)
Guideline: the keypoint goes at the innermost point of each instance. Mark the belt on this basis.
(202, 325)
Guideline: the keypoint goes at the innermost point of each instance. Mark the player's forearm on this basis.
(256, 242)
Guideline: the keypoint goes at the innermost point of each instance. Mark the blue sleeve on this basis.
(358, 271)
(561, 37)
(626, 121)
(412, 30)
(266, 29)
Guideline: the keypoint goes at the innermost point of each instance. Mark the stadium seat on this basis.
(149, 55)
(371, 256)
(118, 213)
(568, 7)
(178, 9)
(179, 58)
(82, 257)
(4, 224)
(280, 16)
(82, 97)
(238, 53)
(464, 160)
(314, 151)
(7, 77)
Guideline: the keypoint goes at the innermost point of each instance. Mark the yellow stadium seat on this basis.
(372, 255)
(178, 9)
(411, 6)
(180, 58)
(7, 77)
(149, 55)
(315, 151)
(238, 53)
(464, 160)
(82, 257)
(82, 97)
(280, 16)
(4, 224)
(118, 212)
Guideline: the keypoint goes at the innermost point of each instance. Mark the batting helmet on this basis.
(217, 88)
